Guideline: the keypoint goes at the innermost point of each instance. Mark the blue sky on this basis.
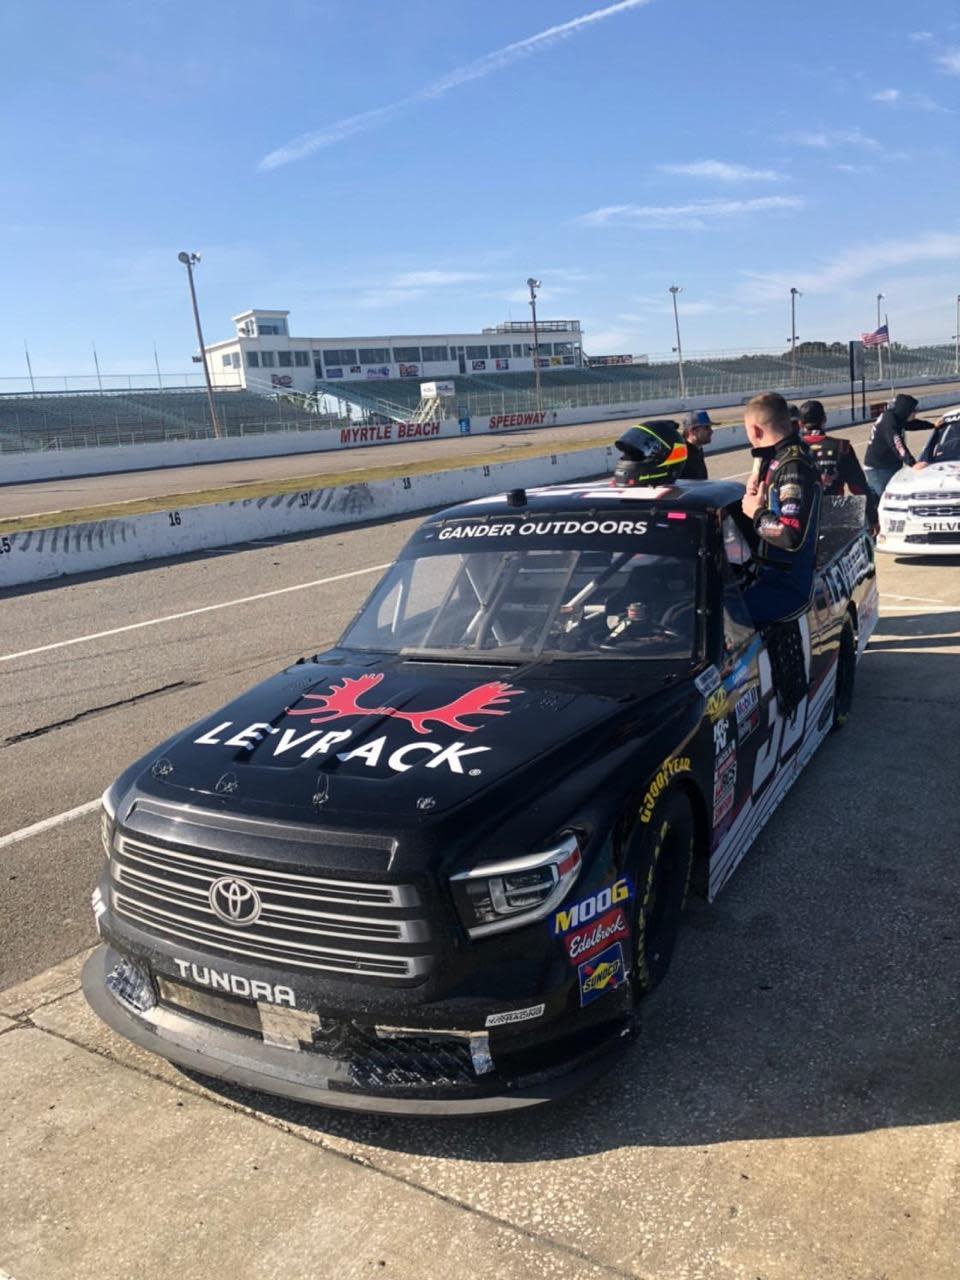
(380, 167)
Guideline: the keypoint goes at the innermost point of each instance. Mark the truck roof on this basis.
(696, 495)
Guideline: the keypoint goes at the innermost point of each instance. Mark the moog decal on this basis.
(587, 909)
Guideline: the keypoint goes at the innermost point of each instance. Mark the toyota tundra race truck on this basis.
(436, 868)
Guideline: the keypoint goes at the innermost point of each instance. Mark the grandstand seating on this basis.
(67, 420)
(64, 421)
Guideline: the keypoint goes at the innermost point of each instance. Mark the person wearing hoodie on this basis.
(840, 469)
(887, 449)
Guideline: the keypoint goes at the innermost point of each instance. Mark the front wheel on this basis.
(662, 878)
(846, 675)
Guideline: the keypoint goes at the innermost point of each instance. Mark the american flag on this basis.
(879, 338)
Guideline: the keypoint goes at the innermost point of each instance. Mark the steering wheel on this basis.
(655, 632)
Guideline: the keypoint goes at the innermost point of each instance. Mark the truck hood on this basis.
(939, 477)
(355, 741)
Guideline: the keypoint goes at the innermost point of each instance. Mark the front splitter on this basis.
(308, 1076)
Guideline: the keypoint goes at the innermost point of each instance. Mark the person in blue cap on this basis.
(697, 432)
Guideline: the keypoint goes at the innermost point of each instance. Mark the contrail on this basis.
(306, 143)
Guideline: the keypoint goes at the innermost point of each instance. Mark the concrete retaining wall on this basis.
(83, 548)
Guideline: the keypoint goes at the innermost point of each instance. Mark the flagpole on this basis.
(26, 352)
(879, 350)
(97, 366)
(886, 321)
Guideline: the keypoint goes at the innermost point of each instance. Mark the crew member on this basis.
(783, 503)
(652, 453)
(697, 433)
(840, 468)
(887, 450)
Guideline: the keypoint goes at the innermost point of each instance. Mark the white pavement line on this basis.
(912, 608)
(45, 824)
(190, 613)
(890, 595)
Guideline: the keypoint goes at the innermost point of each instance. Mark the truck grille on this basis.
(305, 921)
(928, 512)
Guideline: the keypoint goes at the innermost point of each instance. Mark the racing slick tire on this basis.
(846, 675)
(662, 877)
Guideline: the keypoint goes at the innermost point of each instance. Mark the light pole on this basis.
(190, 260)
(533, 286)
(879, 345)
(675, 289)
(794, 295)
(956, 338)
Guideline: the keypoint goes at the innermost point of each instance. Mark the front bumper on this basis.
(308, 1075)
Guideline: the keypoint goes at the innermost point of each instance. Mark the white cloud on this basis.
(949, 61)
(696, 215)
(897, 98)
(433, 279)
(721, 171)
(498, 60)
(855, 264)
(921, 35)
(827, 139)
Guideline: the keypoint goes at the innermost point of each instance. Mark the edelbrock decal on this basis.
(582, 944)
(515, 1015)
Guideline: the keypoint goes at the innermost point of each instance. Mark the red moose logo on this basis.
(342, 701)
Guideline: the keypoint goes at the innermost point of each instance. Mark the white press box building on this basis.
(263, 356)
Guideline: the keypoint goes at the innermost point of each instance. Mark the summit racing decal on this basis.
(602, 974)
(669, 769)
(342, 702)
(584, 943)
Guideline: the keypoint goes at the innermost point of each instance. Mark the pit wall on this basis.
(22, 468)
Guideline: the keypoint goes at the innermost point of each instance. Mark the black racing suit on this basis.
(840, 469)
(695, 467)
(786, 527)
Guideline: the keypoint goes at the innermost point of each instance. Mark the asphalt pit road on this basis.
(91, 712)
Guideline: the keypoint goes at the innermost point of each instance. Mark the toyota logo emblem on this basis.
(235, 901)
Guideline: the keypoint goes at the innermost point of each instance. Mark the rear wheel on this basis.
(662, 878)
(846, 674)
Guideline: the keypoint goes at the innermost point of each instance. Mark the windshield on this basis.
(564, 601)
(946, 443)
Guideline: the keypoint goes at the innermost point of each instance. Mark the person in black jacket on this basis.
(887, 449)
(697, 432)
(782, 502)
(840, 468)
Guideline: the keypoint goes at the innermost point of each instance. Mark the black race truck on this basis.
(437, 867)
